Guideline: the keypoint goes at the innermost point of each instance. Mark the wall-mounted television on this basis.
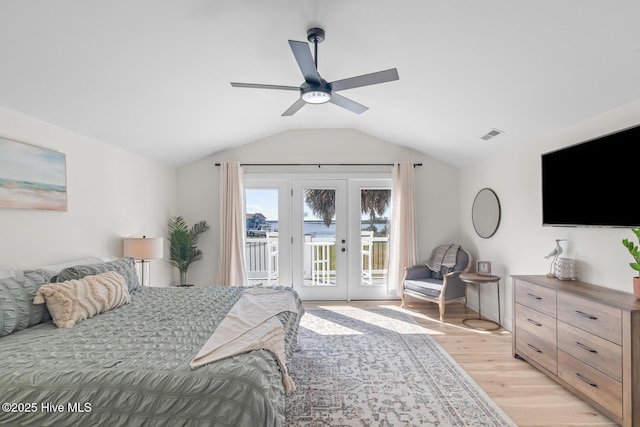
(595, 183)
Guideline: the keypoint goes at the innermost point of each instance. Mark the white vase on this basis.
(565, 269)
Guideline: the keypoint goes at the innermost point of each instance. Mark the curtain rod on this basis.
(320, 164)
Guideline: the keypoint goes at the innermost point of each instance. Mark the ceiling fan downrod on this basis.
(315, 35)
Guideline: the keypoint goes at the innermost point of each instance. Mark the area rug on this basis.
(378, 367)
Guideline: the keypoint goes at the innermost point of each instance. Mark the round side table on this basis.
(481, 279)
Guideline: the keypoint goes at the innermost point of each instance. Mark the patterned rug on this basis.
(378, 367)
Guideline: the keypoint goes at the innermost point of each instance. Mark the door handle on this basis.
(343, 249)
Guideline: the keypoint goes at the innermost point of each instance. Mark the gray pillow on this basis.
(8, 311)
(53, 269)
(125, 266)
(17, 310)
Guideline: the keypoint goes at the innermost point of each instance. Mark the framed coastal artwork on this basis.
(32, 177)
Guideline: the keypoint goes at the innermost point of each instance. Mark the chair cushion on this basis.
(462, 260)
(427, 287)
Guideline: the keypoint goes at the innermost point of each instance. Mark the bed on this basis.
(131, 366)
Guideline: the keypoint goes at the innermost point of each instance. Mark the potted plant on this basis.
(635, 253)
(183, 245)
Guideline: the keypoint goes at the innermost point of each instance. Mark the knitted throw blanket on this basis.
(251, 325)
(443, 255)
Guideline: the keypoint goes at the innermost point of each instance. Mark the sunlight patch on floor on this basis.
(421, 316)
(325, 327)
(380, 320)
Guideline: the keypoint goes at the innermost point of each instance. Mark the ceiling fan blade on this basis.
(366, 80)
(350, 105)
(260, 86)
(302, 52)
(295, 107)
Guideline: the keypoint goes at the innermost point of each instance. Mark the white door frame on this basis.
(354, 182)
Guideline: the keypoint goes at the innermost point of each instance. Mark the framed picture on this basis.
(483, 268)
(32, 177)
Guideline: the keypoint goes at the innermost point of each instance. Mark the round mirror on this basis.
(485, 213)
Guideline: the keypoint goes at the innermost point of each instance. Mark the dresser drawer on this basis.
(594, 384)
(599, 319)
(536, 323)
(538, 297)
(538, 350)
(597, 352)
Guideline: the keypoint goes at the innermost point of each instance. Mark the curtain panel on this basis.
(231, 265)
(402, 240)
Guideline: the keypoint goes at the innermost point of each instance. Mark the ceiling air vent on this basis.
(494, 132)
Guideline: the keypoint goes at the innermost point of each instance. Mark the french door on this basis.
(323, 238)
(320, 233)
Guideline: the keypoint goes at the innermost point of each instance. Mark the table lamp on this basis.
(144, 249)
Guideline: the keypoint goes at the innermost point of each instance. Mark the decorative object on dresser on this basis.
(585, 337)
(555, 253)
(565, 269)
(635, 253)
(144, 249)
(183, 241)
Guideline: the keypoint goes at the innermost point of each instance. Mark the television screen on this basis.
(594, 183)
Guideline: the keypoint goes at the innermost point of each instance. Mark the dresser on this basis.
(586, 337)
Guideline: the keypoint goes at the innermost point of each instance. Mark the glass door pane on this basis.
(267, 250)
(370, 202)
(320, 245)
(374, 232)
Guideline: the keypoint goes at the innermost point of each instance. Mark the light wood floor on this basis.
(528, 396)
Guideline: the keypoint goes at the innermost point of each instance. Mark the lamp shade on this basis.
(144, 248)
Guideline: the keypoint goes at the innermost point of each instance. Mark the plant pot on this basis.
(636, 287)
(183, 278)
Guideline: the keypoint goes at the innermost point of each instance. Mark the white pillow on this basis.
(56, 268)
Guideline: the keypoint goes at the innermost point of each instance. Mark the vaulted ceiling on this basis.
(153, 76)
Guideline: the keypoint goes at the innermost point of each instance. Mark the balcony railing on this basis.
(257, 258)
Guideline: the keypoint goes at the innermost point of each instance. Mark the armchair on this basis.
(439, 280)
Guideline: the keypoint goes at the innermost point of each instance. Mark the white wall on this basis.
(111, 194)
(521, 242)
(437, 183)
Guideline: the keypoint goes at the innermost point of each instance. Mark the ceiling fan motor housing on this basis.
(315, 35)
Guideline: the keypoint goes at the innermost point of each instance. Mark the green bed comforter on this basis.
(130, 367)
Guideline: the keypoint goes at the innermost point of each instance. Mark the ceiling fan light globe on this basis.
(316, 97)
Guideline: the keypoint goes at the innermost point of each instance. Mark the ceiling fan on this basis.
(315, 89)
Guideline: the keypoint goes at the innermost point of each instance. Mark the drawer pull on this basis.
(586, 381)
(535, 349)
(588, 316)
(534, 296)
(534, 322)
(584, 347)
